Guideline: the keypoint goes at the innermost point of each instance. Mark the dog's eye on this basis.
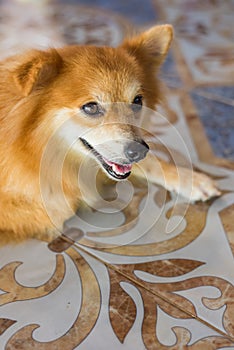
(137, 103)
(93, 109)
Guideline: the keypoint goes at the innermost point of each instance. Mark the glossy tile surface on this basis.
(159, 273)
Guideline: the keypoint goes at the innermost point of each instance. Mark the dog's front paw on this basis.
(195, 186)
(203, 187)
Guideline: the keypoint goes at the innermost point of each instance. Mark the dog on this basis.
(76, 105)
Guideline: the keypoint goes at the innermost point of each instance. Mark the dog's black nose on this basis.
(136, 150)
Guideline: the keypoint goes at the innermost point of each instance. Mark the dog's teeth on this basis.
(121, 169)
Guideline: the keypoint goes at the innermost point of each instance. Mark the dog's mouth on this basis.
(115, 170)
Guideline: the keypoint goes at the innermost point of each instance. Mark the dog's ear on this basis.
(151, 46)
(37, 70)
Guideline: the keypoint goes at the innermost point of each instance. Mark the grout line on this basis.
(140, 284)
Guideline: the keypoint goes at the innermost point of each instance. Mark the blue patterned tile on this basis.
(139, 12)
(169, 73)
(217, 118)
(223, 91)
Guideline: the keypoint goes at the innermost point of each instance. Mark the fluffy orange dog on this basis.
(52, 105)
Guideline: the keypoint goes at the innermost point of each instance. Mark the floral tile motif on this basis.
(85, 25)
(157, 273)
(95, 298)
(28, 25)
(205, 37)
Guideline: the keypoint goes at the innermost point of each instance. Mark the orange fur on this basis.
(42, 91)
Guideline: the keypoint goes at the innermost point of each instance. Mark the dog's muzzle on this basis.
(136, 150)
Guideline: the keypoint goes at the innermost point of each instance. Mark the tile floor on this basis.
(159, 273)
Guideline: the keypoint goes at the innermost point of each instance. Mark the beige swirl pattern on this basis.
(158, 274)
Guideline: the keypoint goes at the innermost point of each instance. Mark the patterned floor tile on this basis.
(93, 298)
(169, 74)
(140, 13)
(203, 50)
(217, 118)
(180, 253)
(54, 26)
(151, 271)
(205, 35)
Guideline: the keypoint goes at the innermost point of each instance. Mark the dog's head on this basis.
(92, 97)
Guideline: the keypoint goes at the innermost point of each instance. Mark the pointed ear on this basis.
(36, 70)
(151, 46)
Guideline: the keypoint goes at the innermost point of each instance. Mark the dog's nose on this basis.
(136, 150)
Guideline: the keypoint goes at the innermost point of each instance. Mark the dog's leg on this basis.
(189, 184)
(21, 219)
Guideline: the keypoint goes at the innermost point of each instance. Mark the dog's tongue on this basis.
(118, 168)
